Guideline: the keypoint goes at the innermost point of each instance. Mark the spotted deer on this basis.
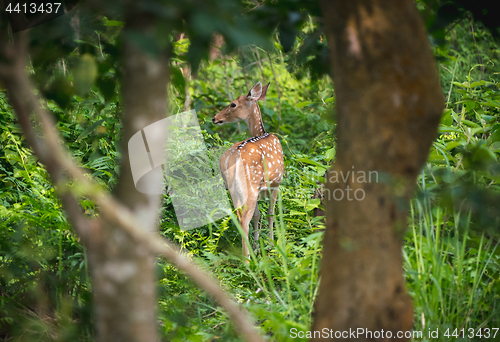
(254, 166)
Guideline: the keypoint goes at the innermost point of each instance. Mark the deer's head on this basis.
(241, 107)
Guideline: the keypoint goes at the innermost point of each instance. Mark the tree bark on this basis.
(123, 271)
(389, 103)
(215, 47)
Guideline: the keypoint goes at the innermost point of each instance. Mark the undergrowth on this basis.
(451, 254)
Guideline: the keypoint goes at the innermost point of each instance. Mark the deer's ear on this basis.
(255, 92)
(264, 91)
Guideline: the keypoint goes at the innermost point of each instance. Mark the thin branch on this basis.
(25, 102)
(243, 71)
(243, 68)
(246, 79)
(187, 100)
(229, 95)
(279, 92)
(52, 153)
(256, 52)
(477, 48)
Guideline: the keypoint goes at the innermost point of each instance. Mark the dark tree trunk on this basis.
(215, 47)
(389, 104)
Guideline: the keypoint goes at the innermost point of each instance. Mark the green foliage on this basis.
(278, 286)
(451, 261)
(452, 271)
(301, 120)
(464, 169)
(299, 31)
(43, 270)
(450, 253)
(440, 15)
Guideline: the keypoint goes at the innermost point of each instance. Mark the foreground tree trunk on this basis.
(123, 271)
(389, 104)
(122, 268)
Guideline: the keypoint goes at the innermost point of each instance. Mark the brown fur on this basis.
(254, 166)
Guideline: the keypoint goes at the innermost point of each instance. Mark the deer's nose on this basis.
(213, 119)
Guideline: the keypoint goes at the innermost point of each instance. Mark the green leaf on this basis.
(491, 103)
(477, 83)
(477, 130)
(496, 146)
(452, 144)
(330, 154)
(444, 129)
(309, 161)
(436, 158)
(178, 79)
(89, 129)
(323, 93)
(456, 117)
(471, 123)
(303, 104)
(495, 136)
(294, 212)
(321, 169)
(463, 85)
(114, 23)
(447, 119)
(295, 220)
(487, 118)
(312, 204)
(484, 155)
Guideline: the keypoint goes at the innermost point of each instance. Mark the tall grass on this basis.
(286, 273)
(452, 274)
(278, 285)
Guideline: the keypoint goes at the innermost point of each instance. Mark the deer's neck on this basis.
(254, 122)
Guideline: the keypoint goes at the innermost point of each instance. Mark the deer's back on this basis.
(252, 160)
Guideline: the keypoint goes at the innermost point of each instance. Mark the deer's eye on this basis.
(233, 105)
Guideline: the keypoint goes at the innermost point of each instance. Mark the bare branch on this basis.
(279, 92)
(187, 101)
(256, 53)
(229, 95)
(48, 149)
